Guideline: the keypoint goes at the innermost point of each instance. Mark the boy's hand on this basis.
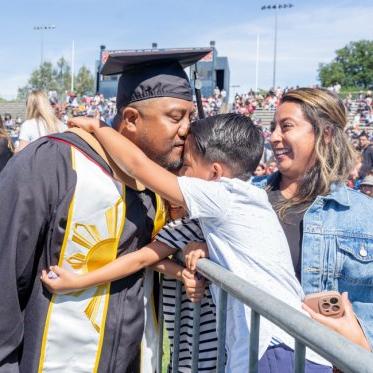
(59, 280)
(194, 285)
(194, 251)
(86, 123)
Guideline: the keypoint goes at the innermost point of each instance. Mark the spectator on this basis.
(328, 226)
(271, 167)
(367, 153)
(366, 185)
(8, 121)
(260, 170)
(353, 179)
(6, 146)
(40, 119)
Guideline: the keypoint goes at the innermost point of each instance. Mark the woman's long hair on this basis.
(4, 134)
(39, 108)
(333, 154)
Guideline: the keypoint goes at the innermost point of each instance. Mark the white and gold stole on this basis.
(75, 324)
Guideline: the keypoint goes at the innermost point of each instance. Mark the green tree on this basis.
(84, 82)
(62, 76)
(44, 78)
(58, 78)
(352, 67)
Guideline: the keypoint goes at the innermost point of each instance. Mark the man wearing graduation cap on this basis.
(62, 204)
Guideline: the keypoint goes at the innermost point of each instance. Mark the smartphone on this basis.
(328, 303)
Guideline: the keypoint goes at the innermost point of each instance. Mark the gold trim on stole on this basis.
(95, 257)
(159, 222)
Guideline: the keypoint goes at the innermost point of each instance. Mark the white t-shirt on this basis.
(243, 234)
(32, 129)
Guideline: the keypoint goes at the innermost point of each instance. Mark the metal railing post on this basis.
(299, 357)
(254, 342)
(222, 318)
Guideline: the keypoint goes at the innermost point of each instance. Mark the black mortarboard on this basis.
(152, 73)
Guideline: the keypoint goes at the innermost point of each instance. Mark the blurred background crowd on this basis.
(16, 133)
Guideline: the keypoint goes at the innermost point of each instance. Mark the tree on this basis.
(62, 76)
(84, 82)
(352, 67)
(58, 78)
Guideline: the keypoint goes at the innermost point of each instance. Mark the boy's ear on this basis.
(129, 119)
(217, 171)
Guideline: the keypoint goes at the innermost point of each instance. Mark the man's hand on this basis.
(86, 123)
(59, 280)
(194, 251)
(194, 285)
(347, 325)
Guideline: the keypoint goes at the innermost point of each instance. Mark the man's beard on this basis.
(164, 162)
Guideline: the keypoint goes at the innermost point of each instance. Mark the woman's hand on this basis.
(59, 280)
(86, 123)
(194, 285)
(347, 325)
(194, 251)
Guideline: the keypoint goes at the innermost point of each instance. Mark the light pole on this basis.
(275, 7)
(257, 62)
(42, 29)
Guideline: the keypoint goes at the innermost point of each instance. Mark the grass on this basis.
(166, 351)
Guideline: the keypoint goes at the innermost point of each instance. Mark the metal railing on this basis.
(342, 353)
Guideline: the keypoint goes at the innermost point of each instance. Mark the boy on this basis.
(220, 155)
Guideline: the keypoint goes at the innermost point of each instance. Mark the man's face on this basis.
(367, 189)
(162, 128)
(363, 141)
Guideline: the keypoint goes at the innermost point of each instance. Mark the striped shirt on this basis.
(178, 234)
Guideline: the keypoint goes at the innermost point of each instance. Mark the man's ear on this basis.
(129, 121)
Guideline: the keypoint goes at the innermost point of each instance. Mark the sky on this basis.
(308, 34)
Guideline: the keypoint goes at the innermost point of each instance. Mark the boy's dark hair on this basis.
(232, 139)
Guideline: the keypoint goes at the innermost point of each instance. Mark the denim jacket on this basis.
(337, 248)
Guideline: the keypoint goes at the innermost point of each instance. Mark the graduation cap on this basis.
(152, 73)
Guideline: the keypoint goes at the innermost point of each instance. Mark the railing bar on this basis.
(254, 341)
(222, 318)
(299, 357)
(195, 349)
(317, 337)
(176, 339)
(160, 325)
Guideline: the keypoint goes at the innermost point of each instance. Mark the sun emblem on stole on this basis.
(98, 252)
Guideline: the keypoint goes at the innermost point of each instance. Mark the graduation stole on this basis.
(75, 323)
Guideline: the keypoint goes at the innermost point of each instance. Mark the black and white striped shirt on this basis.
(178, 234)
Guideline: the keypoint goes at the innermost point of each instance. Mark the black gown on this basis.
(36, 188)
(5, 152)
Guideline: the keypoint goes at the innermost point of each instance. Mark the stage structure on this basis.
(213, 71)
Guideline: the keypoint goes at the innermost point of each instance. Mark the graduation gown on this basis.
(37, 190)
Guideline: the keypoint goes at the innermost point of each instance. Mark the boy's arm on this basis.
(194, 285)
(119, 268)
(132, 160)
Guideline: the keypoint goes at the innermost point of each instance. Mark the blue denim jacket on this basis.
(337, 248)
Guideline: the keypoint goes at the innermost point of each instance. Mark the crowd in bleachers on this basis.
(360, 109)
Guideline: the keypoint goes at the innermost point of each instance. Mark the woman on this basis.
(328, 226)
(40, 119)
(6, 146)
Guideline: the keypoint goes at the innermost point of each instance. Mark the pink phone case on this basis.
(328, 303)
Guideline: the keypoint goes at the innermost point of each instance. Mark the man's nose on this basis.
(184, 127)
